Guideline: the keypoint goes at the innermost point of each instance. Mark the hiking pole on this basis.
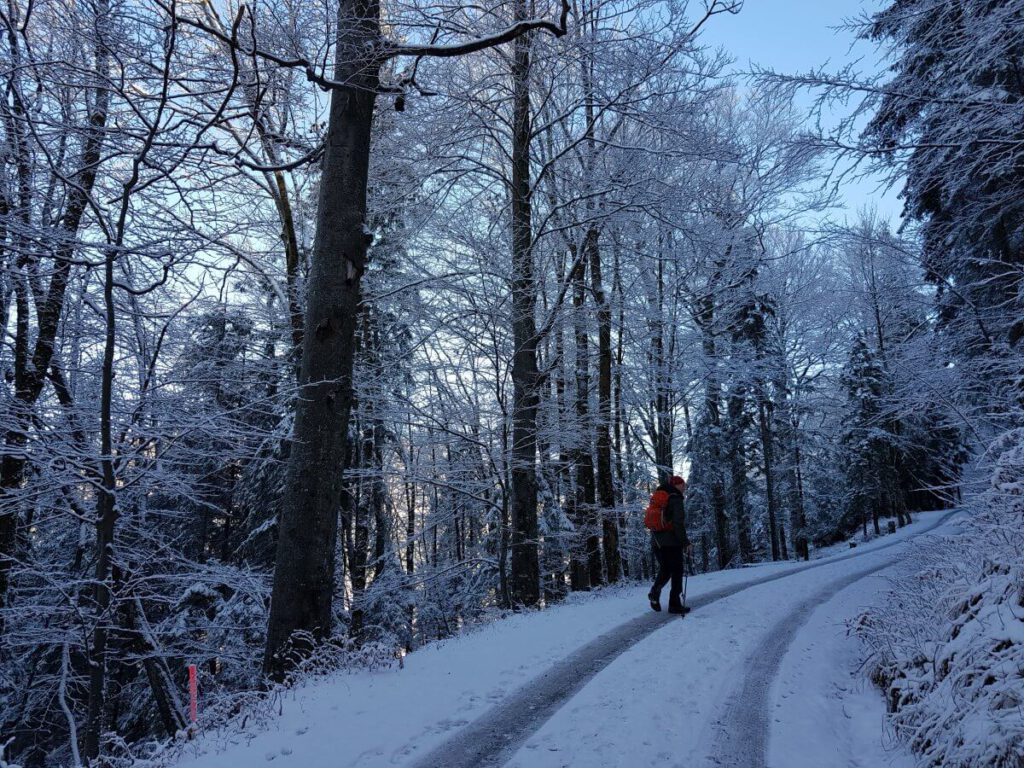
(686, 579)
(687, 568)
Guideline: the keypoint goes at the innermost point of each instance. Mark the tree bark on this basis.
(662, 417)
(289, 237)
(410, 519)
(767, 453)
(738, 472)
(353, 505)
(292, 261)
(106, 516)
(620, 433)
(799, 521)
(303, 588)
(713, 407)
(578, 579)
(524, 579)
(603, 443)
(586, 501)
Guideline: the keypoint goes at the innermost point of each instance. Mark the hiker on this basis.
(665, 519)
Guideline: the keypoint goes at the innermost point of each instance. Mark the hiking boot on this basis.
(679, 609)
(655, 601)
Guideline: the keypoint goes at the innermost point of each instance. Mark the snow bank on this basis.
(948, 647)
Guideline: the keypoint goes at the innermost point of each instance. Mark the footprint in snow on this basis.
(447, 725)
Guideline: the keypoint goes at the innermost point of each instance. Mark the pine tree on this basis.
(949, 118)
(866, 443)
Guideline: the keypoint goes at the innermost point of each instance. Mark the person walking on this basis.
(665, 518)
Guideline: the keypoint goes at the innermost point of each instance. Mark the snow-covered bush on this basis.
(3, 762)
(948, 646)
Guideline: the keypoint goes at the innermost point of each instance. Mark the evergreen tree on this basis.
(949, 119)
(866, 444)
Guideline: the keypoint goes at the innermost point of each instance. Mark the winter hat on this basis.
(677, 480)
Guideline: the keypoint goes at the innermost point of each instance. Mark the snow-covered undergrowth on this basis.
(948, 647)
(3, 762)
(254, 709)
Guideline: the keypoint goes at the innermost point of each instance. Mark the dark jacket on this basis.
(676, 513)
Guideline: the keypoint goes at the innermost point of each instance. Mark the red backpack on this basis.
(655, 517)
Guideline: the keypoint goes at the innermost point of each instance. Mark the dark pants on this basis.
(670, 566)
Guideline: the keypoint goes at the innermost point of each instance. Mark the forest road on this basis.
(495, 736)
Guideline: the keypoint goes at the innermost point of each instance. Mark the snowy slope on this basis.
(635, 709)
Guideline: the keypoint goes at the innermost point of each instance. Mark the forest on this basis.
(331, 330)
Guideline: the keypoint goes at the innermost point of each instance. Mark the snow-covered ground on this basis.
(665, 701)
(655, 704)
(825, 712)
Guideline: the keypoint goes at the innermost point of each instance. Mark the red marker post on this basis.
(193, 694)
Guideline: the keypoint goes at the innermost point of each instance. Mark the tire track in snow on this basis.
(494, 737)
(742, 740)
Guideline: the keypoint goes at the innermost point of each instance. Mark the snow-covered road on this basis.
(745, 725)
(698, 692)
(601, 681)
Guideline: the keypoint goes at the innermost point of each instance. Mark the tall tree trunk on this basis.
(663, 423)
(410, 513)
(605, 483)
(106, 498)
(586, 501)
(267, 131)
(767, 453)
(376, 495)
(799, 521)
(358, 567)
(714, 451)
(552, 454)
(292, 261)
(620, 432)
(106, 517)
(553, 557)
(525, 562)
(563, 480)
(875, 508)
(304, 572)
(738, 472)
(578, 579)
(604, 514)
(789, 439)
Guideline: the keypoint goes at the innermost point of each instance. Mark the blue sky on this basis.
(798, 35)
